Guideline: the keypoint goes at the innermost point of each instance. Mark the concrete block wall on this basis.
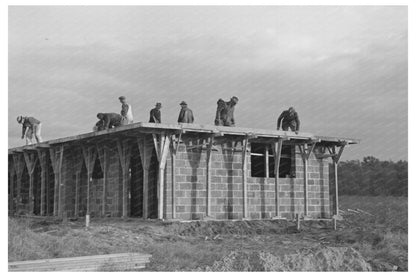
(227, 191)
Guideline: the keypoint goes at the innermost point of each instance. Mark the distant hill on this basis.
(371, 177)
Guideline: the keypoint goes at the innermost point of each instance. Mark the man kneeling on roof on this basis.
(107, 121)
(30, 126)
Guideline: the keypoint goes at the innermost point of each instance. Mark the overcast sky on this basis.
(344, 69)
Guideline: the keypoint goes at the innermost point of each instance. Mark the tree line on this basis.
(371, 177)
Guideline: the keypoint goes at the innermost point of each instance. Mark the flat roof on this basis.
(185, 128)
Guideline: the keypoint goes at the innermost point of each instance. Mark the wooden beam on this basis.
(277, 152)
(103, 157)
(306, 151)
(31, 160)
(173, 148)
(266, 161)
(19, 164)
(164, 151)
(56, 156)
(43, 157)
(90, 154)
(209, 177)
(335, 159)
(11, 180)
(244, 171)
(108, 262)
(336, 187)
(157, 145)
(146, 151)
(124, 152)
(78, 162)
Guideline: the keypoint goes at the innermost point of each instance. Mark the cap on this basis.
(122, 98)
(19, 118)
(183, 103)
(234, 98)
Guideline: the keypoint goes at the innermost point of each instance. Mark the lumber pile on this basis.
(110, 262)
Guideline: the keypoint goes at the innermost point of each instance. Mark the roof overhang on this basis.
(140, 128)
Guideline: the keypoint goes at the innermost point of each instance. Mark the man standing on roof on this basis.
(289, 119)
(225, 112)
(155, 116)
(126, 111)
(30, 126)
(185, 115)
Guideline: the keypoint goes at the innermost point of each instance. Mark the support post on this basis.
(56, 156)
(90, 154)
(103, 157)
(209, 152)
(11, 196)
(78, 162)
(174, 147)
(266, 161)
(277, 152)
(164, 151)
(244, 165)
(77, 187)
(124, 152)
(306, 152)
(19, 164)
(30, 159)
(335, 159)
(146, 150)
(42, 156)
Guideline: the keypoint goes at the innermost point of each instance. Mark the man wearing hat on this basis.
(289, 119)
(185, 115)
(30, 126)
(225, 112)
(155, 116)
(126, 111)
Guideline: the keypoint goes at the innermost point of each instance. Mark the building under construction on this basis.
(184, 171)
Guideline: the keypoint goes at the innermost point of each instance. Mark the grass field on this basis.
(379, 234)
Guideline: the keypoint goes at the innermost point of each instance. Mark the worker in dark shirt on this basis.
(108, 120)
(30, 126)
(289, 119)
(185, 115)
(225, 112)
(155, 115)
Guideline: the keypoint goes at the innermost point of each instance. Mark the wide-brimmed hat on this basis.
(183, 103)
(19, 119)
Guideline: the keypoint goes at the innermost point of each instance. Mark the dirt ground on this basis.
(360, 243)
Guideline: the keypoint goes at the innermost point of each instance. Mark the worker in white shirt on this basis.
(126, 111)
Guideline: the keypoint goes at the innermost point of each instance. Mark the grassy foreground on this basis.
(380, 234)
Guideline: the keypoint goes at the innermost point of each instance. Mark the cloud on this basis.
(346, 73)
